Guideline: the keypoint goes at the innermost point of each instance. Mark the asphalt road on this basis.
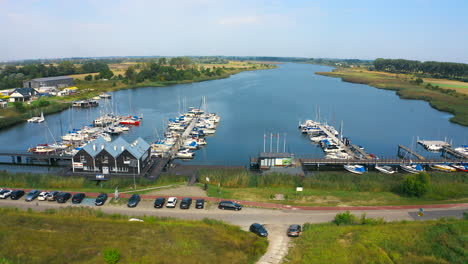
(276, 221)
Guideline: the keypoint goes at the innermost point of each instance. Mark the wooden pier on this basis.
(403, 151)
(28, 158)
(321, 161)
(361, 151)
(450, 152)
(337, 141)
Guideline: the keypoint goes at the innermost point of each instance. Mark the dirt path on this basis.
(278, 244)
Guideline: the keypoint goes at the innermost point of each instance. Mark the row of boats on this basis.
(105, 126)
(328, 139)
(411, 168)
(185, 134)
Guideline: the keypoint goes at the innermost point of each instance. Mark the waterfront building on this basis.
(23, 94)
(116, 157)
(57, 82)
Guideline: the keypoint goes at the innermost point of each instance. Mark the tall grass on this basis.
(59, 237)
(47, 181)
(399, 242)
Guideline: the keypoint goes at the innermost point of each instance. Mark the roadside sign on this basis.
(299, 189)
(421, 212)
(207, 179)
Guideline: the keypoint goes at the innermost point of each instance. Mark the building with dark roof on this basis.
(116, 157)
(57, 82)
(23, 94)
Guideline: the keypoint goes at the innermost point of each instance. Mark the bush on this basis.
(416, 185)
(88, 77)
(111, 256)
(345, 219)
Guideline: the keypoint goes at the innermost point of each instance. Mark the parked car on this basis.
(171, 202)
(101, 199)
(15, 195)
(63, 197)
(294, 230)
(185, 203)
(52, 196)
(5, 193)
(229, 205)
(78, 198)
(32, 195)
(159, 202)
(200, 203)
(43, 196)
(258, 229)
(134, 200)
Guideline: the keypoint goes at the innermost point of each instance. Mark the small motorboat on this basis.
(461, 167)
(105, 96)
(385, 169)
(185, 154)
(443, 167)
(37, 119)
(356, 169)
(412, 168)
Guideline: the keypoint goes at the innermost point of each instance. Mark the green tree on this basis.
(419, 81)
(162, 61)
(88, 77)
(130, 74)
(19, 106)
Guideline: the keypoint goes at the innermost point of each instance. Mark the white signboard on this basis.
(298, 189)
(77, 165)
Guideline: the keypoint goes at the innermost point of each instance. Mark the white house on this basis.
(23, 94)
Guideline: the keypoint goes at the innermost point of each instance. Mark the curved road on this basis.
(276, 221)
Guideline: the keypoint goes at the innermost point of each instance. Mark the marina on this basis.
(246, 117)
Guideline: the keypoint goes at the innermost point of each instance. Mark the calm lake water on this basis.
(255, 103)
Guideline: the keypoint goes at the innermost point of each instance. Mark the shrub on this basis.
(111, 256)
(345, 218)
(416, 185)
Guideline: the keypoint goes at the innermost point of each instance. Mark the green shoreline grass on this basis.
(332, 188)
(81, 235)
(454, 103)
(442, 241)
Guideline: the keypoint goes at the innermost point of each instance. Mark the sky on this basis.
(359, 29)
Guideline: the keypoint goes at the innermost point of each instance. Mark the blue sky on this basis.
(366, 29)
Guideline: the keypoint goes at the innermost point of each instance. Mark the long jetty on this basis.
(402, 148)
(336, 140)
(448, 150)
(361, 151)
(321, 161)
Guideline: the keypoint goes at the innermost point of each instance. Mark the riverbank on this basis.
(454, 101)
(11, 116)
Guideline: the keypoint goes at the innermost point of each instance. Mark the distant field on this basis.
(402, 242)
(82, 235)
(441, 98)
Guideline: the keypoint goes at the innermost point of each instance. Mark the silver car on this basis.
(32, 195)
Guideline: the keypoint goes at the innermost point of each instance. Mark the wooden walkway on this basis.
(312, 162)
(361, 151)
(452, 152)
(337, 141)
(402, 148)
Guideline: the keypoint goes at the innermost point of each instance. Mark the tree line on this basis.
(176, 69)
(12, 76)
(449, 70)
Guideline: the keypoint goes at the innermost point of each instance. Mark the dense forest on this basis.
(434, 69)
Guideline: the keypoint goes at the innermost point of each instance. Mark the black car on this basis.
(185, 203)
(159, 202)
(101, 199)
(200, 203)
(15, 195)
(63, 197)
(32, 195)
(134, 200)
(229, 205)
(78, 198)
(52, 196)
(258, 229)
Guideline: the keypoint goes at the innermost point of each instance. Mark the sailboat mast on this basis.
(264, 142)
(271, 142)
(284, 144)
(277, 143)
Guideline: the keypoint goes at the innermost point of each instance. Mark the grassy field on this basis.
(439, 242)
(83, 235)
(53, 182)
(332, 188)
(454, 102)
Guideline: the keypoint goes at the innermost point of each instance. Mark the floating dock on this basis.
(336, 140)
(361, 151)
(402, 149)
